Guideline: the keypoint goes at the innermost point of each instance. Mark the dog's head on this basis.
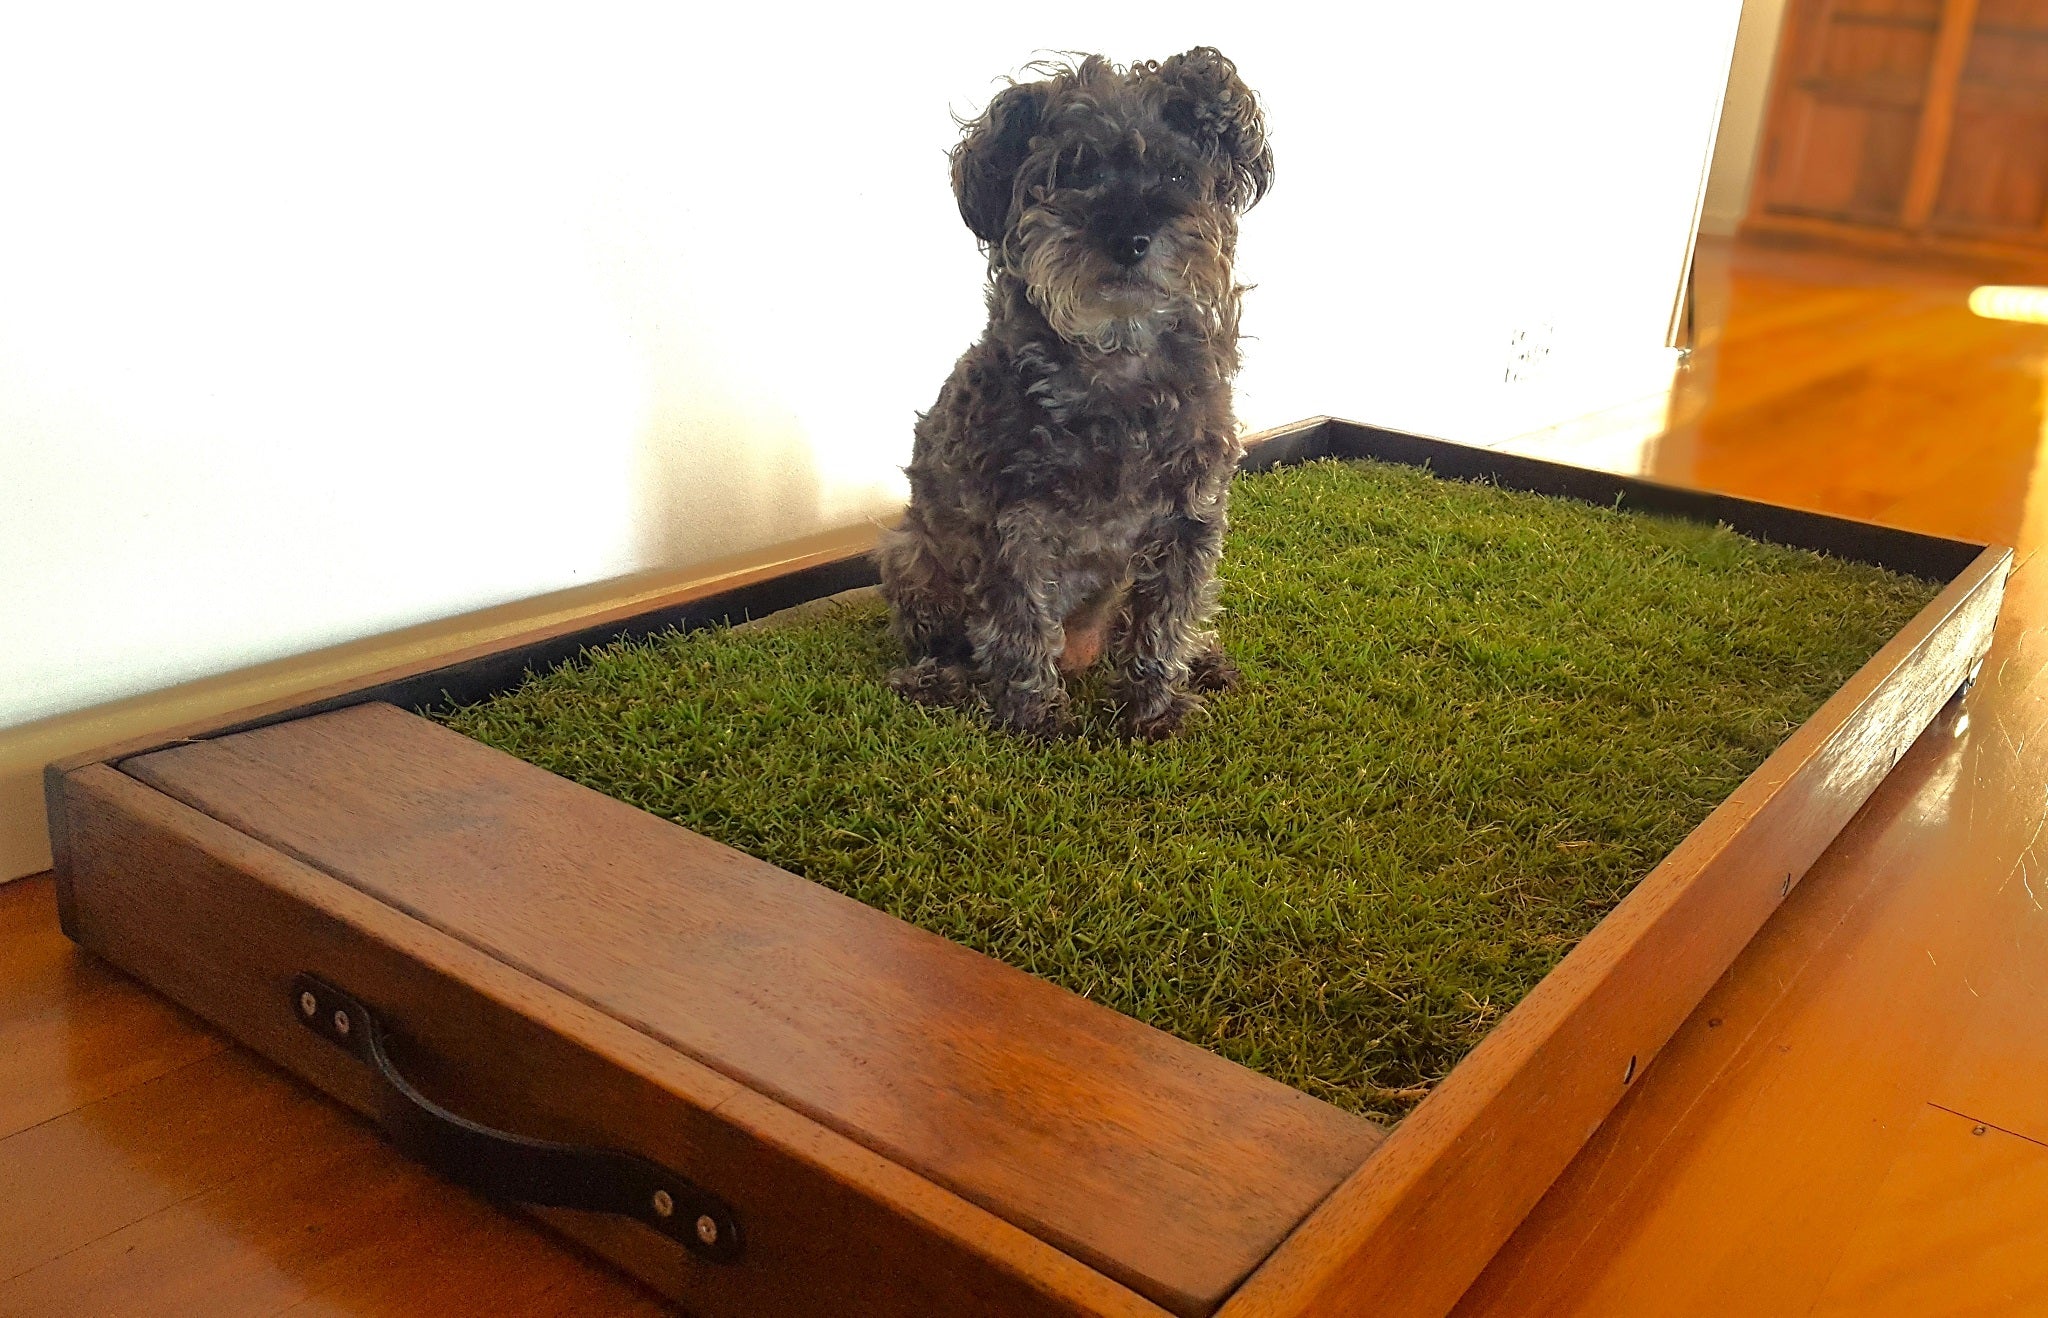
(1113, 193)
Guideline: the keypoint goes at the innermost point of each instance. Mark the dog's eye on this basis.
(1082, 170)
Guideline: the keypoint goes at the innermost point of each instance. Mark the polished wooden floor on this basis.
(1855, 1121)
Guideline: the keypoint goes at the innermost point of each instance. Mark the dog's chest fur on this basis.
(1079, 451)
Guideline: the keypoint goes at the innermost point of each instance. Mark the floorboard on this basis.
(1940, 1236)
(150, 1169)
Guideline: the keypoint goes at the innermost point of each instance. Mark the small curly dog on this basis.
(1069, 488)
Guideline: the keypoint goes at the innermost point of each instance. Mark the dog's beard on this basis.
(1089, 299)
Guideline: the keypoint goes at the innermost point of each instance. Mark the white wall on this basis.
(318, 321)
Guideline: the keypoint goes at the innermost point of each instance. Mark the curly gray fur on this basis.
(1069, 489)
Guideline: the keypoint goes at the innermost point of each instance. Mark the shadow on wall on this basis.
(715, 480)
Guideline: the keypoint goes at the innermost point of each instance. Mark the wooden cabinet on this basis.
(1910, 121)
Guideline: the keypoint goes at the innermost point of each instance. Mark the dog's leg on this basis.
(1017, 641)
(926, 613)
(1163, 641)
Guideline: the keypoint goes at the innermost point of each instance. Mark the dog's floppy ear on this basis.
(986, 162)
(1207, 101)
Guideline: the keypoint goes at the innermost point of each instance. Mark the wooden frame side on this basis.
(1406, 1234)
(1409, 1232)
(1913, 553)
(221, 923)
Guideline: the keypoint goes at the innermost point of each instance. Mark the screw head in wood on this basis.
(341, 1022)
(707, 1230)
(664, 1204)
(309, 1006)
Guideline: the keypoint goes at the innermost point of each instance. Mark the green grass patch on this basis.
(1472, 720)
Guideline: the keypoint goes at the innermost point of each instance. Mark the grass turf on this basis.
(1472, 720)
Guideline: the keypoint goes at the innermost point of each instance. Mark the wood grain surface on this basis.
(222, 923)
(1160, 1164)
(1940, 1237)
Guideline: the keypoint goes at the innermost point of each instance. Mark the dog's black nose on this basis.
(1131, 248)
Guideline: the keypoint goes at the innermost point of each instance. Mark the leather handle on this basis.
(508, 1166)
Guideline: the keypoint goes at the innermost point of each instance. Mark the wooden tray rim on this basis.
(1362, 1218)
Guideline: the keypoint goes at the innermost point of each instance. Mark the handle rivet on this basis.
(664, 1204)
(707, 1230)
(341, 1022)
(309, 1006)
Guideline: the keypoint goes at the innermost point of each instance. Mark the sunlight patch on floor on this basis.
(2028, 305)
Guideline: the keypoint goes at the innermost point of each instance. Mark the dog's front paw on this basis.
(1041, 714)
(929, 682)
(1211, 671)
(1157, 720)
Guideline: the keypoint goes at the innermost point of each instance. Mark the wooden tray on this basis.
(762, 1097)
